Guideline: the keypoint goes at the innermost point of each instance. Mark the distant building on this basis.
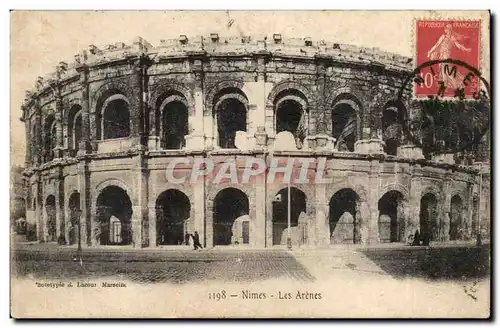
(101, 132)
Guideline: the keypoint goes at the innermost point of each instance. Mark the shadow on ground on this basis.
(159, 267)
(440, 263)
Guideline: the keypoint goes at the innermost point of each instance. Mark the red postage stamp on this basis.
(440, 40)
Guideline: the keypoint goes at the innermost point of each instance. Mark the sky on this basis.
(41, 39)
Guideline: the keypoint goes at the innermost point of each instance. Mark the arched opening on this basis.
(231, 116)
(456, 208)
(391, 129)
(174, 125)
(391, 220)
(291, 114)
(298, 217)
(49, 141)
(343, 218)
(114, 214)
(230, 208)
(344, 125)
(74, 129)
(50, 208)
(115, 118)
(428, 218)
(173, 210)
(74, 217)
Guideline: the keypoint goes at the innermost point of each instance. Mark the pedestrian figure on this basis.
(196, 241)
(186, 238)
(416, 239)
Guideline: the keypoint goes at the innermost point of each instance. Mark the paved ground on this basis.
(176, 266)
(181, 265)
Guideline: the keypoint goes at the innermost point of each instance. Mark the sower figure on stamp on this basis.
(442, 50)
(196, 241)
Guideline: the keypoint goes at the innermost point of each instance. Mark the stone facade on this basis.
(102, 131)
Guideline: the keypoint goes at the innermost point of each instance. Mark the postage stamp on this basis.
(447, 39)
(214, 168)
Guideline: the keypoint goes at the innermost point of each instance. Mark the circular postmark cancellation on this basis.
(455, 116)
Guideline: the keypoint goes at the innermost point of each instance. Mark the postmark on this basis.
(438, 40)
(454, 116)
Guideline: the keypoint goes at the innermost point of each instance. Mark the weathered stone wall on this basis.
(197, 72)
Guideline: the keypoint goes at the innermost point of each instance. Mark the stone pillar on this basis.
(209, 220)
(322, 222)
(259, 116)
(139, 115)
(152, 225)
(84, 146)
(444, 217)
(40, 227)
(200, 126)
(200, 216)
(140, 201)
(412, 206)
(373, 196)
(59, 148)
(260, 210)
(27, 129)
(59, 195)
(87, 224)
(38, 136)
(469, 209)
(67, 223)
(369, 141)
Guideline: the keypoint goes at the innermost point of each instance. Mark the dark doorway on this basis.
(116, 120)
(229, 204)
(114, 214)
(288, 115)
(231, 117)
(50, 207)
(344, 228)
(391, 129)
(174, 125)
(344, 126)
(280, 216)
(391, 221)
(428, 217)
(173, 209)
(74, 208)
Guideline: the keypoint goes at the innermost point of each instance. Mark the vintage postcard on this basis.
(250, 164)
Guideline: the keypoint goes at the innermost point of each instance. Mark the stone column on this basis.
(259, 116)
(87, 225)
(84, 146)
(373, 196)
(59, 195)
(67, 223)
(200, 126)
(40, 226)
(317, 125)
(468, 209)
(27, 130)
(200, 216)
(139, 115)
(38, 136)
(152, 225)
(140, 201)
(58, 149)
(260, 210)
(322, 223)
(369, 141)
(444, 216)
